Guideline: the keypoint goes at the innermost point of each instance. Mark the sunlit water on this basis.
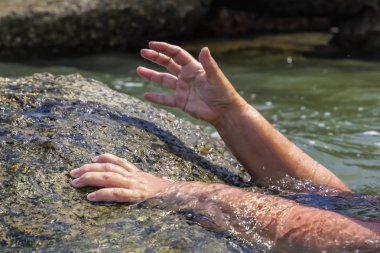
(329, 108)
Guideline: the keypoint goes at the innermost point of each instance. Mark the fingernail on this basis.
(209, 52)
(95, 158)
(74, 172)
(91, 196)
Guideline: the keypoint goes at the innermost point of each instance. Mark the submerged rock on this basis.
(49, 27)
(52, 124)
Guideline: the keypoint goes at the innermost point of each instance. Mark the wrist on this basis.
(233, 116)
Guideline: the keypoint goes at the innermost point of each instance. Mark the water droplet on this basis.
(216, 135)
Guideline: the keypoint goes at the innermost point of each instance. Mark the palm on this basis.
(194, 93)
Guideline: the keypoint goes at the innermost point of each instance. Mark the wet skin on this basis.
(201, 89)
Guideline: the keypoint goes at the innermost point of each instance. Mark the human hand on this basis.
(123, 181)
(201, 89)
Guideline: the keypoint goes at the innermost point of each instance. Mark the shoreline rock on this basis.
(50, 28)
(52, 124)
(353, 23)
(47, 28)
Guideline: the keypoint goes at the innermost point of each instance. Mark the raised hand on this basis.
(122, 181)
(201, 89)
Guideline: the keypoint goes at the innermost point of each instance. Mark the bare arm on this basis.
(201, 89)
(266, 153)
(283, 224)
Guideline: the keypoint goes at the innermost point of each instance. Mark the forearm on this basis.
(265, 152)
(283, 224)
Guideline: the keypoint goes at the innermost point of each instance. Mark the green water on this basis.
(329, 108)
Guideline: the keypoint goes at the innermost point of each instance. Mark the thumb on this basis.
(212, 69)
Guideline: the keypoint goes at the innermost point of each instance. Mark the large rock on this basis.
(361, 35)
(48, 27)
(52, 124)
(354, 23)
(336, 8)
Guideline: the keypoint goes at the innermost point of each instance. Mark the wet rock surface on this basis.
(52, 124)
(50, 27)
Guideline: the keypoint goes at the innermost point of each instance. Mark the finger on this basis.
(179, 55)
(101, 179)
(109, 158)
(212, 69)
(99, 167)
(115, 194)
(162, 60)
(161, 99)
(166, 80)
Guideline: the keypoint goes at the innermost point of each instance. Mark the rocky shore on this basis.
(52, 124)
(46, 28)
(353, 24)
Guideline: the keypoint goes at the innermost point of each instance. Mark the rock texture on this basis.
(354, 23)
(361, 35)
(52, 124)
(337, 8)
(50, 27)
(45, 28)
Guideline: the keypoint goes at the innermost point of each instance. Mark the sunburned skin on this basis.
(201, 90)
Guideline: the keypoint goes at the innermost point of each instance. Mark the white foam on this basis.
(372, 133)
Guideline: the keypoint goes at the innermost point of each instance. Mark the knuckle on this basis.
(139, 196)
(123, 160)
(108, 167)
(116, 193)
(165, 61)
(156, 57)
(85, 177)
(85, 167)
(107, 176)
(105, 155)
